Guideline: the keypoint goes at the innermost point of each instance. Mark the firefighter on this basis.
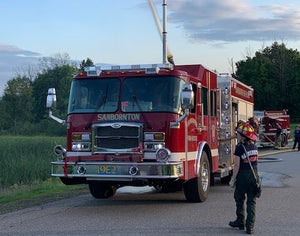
(297, 137)
(278, 138)
(243, 178)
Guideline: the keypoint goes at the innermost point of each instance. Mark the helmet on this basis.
(240, 122)
(247, 131)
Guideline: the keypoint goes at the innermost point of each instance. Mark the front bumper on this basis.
(117, 171)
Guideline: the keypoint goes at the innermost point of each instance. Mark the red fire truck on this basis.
(268, 124)
(156, 125)
(160, 125)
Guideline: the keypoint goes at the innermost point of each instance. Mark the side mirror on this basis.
(51, 98)
(187, 97)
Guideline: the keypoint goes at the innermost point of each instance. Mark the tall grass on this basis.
(25, 160)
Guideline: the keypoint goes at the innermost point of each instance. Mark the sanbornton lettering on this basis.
(119, 117)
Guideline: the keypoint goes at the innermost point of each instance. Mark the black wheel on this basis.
(196, 190)
(101, 190)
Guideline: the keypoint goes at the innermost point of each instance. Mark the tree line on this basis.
(23, 104)
(273, 72)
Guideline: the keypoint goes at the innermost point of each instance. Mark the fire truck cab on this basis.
(157, 125)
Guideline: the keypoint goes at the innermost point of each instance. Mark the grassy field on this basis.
(25, 160)
(24, 196)
(25, 172)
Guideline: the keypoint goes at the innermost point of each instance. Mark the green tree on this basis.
(274, 74)
(85, 63)
(23, 104)
(17, 104)
(60, 78)
(4, 118)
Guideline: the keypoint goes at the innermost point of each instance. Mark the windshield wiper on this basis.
(101, 103)
(135, 100)
(103, 100)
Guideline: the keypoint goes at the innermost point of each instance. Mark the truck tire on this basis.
(101, 190)
(196, 189)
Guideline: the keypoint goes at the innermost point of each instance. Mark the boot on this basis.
(250, 231)
(237, 224)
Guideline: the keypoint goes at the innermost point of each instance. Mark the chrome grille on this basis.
(108, 137)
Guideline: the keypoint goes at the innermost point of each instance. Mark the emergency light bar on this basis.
(148, 68)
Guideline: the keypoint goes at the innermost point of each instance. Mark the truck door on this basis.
(193, 125)
(212, 116)
(209, 123)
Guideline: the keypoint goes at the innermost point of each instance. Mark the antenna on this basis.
(167, 55)
(164, 33)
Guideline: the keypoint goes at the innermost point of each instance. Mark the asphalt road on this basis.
(142, 211)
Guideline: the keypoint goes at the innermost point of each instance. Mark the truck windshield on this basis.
(94, 95)
(139, 94)
(151, 94)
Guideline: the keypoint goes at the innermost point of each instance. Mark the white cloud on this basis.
(11, 59)
(233, 20)
(9, 50)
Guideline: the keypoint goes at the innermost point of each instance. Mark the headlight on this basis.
(154, 136)
(152, 146)
(76, 146)
(81, 142)
(81, 137)
(154, 141)
(163, 154)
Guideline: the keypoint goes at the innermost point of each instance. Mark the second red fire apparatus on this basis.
(268, 124)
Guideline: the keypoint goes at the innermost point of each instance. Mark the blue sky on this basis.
(209, 32)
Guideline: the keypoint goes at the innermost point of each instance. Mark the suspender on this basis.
(249, 162)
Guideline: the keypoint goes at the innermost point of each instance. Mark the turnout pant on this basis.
(297, 140)
(278, 141)
(245, 186)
